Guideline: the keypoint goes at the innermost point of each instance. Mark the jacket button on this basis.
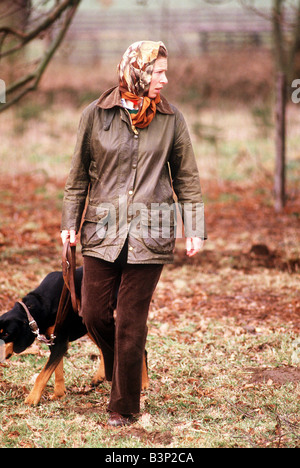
(130, 192)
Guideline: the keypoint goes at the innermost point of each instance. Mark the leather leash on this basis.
(68, 269)
(68, 294)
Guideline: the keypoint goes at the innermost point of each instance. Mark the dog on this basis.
(41, 305)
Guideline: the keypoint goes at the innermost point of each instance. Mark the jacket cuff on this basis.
(71, 216)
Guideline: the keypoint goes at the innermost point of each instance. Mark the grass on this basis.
(225, 151)
(202, 368)
(232, 145)
(214, 326)
(199, 396)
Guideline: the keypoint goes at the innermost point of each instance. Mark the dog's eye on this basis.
(3, 334)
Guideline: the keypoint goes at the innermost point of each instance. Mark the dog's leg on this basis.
(100, 374)
(34, 396)
(56, 356)
(145, 378)
(59, 386)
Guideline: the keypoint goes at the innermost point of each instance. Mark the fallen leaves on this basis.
(211, 316)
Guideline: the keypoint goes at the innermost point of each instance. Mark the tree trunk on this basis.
(279, 180)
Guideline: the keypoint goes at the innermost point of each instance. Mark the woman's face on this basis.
(159, 78)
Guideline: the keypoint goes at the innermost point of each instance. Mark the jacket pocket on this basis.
(95, 226)
(158, 228)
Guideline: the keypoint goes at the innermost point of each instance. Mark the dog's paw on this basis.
(97, 380)
(32, 399)
(56, 396)
(145, 385)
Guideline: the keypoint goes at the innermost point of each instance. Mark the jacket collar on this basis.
(111, 98)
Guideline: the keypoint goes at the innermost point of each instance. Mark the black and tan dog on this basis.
(42, 304)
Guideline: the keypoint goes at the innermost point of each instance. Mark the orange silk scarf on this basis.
(147, 110)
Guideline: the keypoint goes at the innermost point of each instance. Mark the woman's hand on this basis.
(193, 245)
(68, 235)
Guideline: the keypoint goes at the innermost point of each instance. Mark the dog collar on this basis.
(35, 329)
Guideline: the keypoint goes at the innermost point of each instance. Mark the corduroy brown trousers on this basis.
(122, 340)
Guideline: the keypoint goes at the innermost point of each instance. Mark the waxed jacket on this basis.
(123, 179)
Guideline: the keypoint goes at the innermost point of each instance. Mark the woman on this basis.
(133, 152)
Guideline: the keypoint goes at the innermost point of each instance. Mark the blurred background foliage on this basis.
(223, 54)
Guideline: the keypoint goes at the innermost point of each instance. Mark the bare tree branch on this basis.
(24, 38)
(250, 5)
(14, 8)
(34, 78)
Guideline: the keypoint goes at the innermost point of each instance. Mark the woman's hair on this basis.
(162, 52)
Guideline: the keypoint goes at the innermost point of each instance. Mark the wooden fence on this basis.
(102, 34)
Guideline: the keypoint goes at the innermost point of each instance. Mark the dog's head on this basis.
(14, 329)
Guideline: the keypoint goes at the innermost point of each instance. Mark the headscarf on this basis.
(135, 74)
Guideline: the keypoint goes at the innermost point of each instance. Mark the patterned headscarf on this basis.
(135, 74)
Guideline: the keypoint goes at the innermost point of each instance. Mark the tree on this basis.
(285, 54)
(21, 23)
(285, 19)
(284, 16)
